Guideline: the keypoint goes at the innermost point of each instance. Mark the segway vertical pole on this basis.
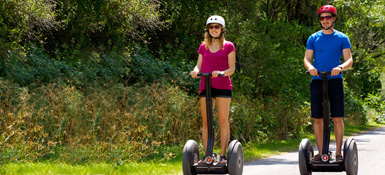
(209, 113)
(325, 103)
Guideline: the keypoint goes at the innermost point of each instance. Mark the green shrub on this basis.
(37, 66)
(135, 120)
(355, 113)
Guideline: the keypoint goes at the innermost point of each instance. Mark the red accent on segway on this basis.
(209, 160)
(325, 158)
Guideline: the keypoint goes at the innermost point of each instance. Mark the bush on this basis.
(376, 106)
(35, 66)
(355, 113)
(135, 120)
(268, 119)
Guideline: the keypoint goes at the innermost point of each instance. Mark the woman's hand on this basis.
(194, 74)
(216, 73)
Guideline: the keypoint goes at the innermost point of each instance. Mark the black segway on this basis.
(210, 165)
(328, 163)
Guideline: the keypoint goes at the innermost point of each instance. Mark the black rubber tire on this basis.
(305, 153)
(346, 147)
(235, 158)
(351, 158)
(190, 156)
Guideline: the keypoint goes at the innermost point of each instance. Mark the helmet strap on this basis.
(331, 25)
(328, 27)
(219, 37)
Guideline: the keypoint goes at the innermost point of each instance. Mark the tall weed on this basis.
(114, 123)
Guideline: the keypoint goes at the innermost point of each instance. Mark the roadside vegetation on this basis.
(103, 86)
(172, 165)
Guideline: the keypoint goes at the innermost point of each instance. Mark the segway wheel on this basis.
(235, 158)
(351, 157)
(305, 153)
(345, 146)
(190, 157)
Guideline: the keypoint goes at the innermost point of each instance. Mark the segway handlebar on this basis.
(322, 72)
(209, 74)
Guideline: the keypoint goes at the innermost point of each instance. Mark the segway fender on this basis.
(235, 158)
(190, 157)
(305, 152)
(347, 142)
(351, 157)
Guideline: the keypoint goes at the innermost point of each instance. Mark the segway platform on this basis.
(210, 168)
(331, 166)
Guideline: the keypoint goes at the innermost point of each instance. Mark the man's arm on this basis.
(307, 62)
(348, 59)
(348, 62)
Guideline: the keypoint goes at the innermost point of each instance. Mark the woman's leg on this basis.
(223, 107)
(204, 121)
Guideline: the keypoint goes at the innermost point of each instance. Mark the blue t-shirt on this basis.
(327, 50)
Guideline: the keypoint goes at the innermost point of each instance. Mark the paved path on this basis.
(371, 158)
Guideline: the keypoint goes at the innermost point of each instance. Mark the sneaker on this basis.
(222, 160)
(202, 161)
(339, 158)
(316, 158)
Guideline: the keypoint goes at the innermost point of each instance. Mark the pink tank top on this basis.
(216, 61)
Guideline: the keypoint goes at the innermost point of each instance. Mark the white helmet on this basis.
(216, 19)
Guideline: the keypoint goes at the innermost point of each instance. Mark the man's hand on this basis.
(313, 71)
(336, 71)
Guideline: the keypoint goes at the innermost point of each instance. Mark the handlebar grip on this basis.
(204, 74)
(209, 74)
(322, 72)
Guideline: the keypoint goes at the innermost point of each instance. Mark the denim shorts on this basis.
(224, 93)
(336, 98)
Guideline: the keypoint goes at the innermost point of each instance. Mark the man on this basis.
(327, 46)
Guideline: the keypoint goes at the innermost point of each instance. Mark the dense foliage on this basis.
(111, 76)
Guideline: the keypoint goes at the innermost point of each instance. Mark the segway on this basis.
(328, 163)
(210, 165)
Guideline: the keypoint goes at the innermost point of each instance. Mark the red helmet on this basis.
(327, 8)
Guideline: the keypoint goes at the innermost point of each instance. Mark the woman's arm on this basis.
(197, 67)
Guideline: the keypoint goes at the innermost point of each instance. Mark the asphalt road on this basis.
(371, 158)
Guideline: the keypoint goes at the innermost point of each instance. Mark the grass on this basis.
(252, 151)
(97, 168)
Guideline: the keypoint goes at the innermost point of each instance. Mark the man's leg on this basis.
(318, 132)
(316, 114)
(339, 133)
(337, 109)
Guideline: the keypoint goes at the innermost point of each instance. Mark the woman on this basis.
(216, 56)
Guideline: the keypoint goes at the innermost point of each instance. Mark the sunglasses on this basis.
(214, 26)
(325, 17)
